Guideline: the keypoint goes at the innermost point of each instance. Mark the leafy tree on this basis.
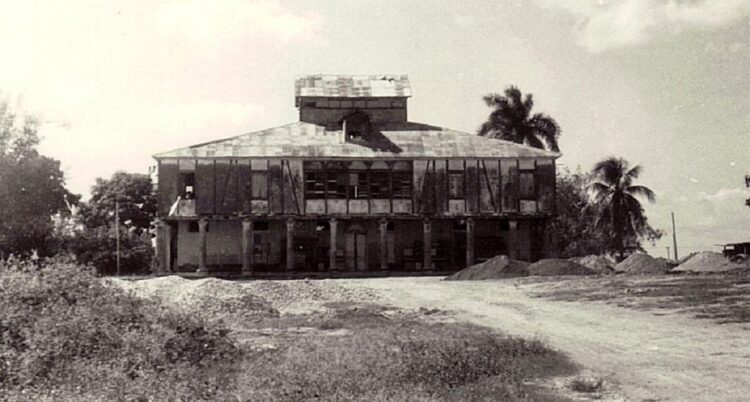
(619, 214)
(573, 231)
(135, 194)
(90, 231)
(32, 188)
(512, 120)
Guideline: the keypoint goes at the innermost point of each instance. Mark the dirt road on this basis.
(651, 357)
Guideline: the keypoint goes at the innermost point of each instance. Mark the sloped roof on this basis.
(389, 140)
(352, 86)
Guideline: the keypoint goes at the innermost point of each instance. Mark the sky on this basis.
(662, 83)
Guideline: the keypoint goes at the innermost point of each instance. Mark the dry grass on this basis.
(721, 297)
(390, 356)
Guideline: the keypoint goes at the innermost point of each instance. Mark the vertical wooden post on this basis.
(333, 223)
(247, 246)
(383, 245)
(202, 225)
(427, 226)
(167, 248)
(513, 239)
(469, 242)
(290, 244)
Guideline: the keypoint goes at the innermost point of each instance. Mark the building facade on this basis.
(353, 185)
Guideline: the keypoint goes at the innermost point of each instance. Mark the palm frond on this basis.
(610, 170)
(547, 129)
(642, 191)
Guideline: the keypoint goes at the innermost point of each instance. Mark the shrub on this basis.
(96, 247)
(64, 335)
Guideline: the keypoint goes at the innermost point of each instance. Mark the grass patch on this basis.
(401, 358)
(66, 336)
(723, 298)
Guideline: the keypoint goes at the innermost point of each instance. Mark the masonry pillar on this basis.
(167, 247)
(469, 242)
(333, 223)
(247, 245)
(427, 232)
(160, 249)
(290, 244)
(202, 225)
(513, 239)
(383, 245)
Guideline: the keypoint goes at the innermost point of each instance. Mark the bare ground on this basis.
(663, 355)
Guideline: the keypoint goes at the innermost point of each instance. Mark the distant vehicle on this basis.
(734, 249)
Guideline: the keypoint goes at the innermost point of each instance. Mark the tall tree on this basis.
(573, 229)
(135, 194)
(511, 120)
(32, 188)
(618, 210)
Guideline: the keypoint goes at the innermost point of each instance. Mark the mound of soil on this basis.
(707, 261)
(644, 264)
(556, 266)
(596, 263)
(498, 267)
(209, 297)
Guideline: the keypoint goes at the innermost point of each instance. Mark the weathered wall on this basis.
(491, 187)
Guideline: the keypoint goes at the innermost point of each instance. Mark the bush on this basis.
(97, 247)
(64, 335)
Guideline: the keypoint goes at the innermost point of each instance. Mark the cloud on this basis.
(604, 25)
(230, 19)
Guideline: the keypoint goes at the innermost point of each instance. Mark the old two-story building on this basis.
(353, 185)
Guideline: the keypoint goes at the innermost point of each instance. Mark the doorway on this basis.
(356, 251)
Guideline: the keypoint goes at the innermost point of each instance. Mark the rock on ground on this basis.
(556, 266)
(495, 268)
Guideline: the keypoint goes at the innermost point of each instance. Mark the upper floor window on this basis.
(456, 185)
(259, 185)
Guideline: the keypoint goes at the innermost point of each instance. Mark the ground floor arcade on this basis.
(257, 244)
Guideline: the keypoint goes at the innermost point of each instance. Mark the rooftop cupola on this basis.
(328, 99)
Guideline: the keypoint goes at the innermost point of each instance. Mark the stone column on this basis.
(202, 225)
(247, 245)
(290, 244)
(469, 242)
(333, 223)
(383, 245)
(167, 247)
(160, 250)
(427, 226)
(513, 239)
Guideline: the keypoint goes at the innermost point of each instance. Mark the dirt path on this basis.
(650, 357)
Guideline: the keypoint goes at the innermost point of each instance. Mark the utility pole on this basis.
(667, 252)
(674, 238)
(117, 234)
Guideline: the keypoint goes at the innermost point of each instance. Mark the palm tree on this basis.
(615, 197)
(511, 120)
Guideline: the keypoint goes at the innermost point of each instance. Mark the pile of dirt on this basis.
(209, 297)
(556, 266)
(638, 263)
(303, 296)
(596, 263)
(495, 268)
(707, 261)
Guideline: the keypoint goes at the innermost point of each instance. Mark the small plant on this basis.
(587, 384)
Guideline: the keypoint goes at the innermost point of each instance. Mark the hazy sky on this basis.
(663, 83)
